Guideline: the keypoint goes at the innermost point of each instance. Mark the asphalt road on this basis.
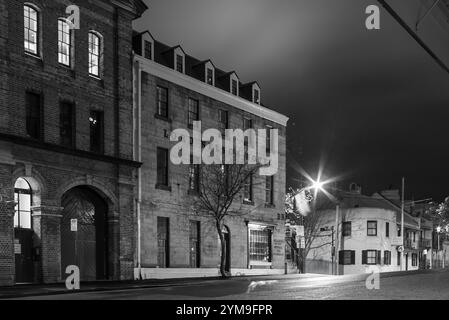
(434, 286)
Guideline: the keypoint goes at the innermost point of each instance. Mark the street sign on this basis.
(74, 225)
(400, 249)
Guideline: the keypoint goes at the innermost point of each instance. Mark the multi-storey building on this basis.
(365, 232)
(173, 89)
(66, 148)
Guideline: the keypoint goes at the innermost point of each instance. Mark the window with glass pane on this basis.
(33, 115)
(96, 120)
(179, 63)
(223, 119)
(194, 177)
(387, 258)
(162, 167)
(66, 131)
(260, 245)
(22, 210)
(371, 257)
(269, 190)
(347, 228)
(148, 50)
(194, 112)
(234, 88)
(64, 42)
(372, 228)
(195, 247)
(210, 76)
(94, 54)
(162, 102)
(256, 96)
(268, 142)
(248, 189)
(31, 24)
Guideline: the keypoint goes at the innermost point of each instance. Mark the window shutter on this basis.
(364, 257)
(352, 257)
(379, 257)
(341, 257)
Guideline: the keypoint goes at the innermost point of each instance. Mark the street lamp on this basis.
(438, 245)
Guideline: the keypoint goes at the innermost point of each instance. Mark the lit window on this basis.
(22, 210)
(260, 245)
(210, 76)
(256, 96)
(64, 43)
(31, 36)
(95, 48)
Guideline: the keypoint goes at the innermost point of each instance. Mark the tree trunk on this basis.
(223, 250)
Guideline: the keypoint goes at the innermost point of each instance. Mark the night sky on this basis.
(368, 106)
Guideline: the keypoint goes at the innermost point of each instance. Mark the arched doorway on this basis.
(23, 232)
(84, 237)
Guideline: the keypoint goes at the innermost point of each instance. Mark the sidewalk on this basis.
(56, 289)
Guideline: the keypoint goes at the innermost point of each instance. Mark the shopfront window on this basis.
(260, 247)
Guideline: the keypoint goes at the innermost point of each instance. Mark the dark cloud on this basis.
(372, 103)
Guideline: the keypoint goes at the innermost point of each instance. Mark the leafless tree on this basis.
(313, 222)
(220, 191)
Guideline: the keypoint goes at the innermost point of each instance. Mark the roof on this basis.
(355, 200)
(136, 6)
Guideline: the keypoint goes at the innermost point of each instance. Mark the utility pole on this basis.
(402, 224)
(337, 213)
(333, 250)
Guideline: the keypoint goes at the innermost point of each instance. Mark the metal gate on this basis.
(83, 238)
(23, 249)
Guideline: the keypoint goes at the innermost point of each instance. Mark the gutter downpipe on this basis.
(137, 110)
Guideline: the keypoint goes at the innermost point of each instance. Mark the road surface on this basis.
(425, 285)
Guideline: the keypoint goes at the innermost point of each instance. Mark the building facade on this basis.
(173, 89)
(366, 234)
(66, 143)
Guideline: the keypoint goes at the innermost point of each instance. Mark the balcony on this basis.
(410, 244)
(425, 243)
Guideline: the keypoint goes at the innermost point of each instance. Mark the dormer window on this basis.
(234, 87)
(234, 84)
(147, 46)
(210, 76)
(148, 50)
(179, 63)
(256, 96)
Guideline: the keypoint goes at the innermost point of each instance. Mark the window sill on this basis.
(97, 79)
(157, 116)
(269, 206)
(163, 187)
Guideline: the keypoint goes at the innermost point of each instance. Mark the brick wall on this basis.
(53, 172)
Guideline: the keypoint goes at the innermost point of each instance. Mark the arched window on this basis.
(31, 25)
(22, 198)
(64, 43)
(95, 53)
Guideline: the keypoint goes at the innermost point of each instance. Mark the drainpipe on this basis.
(137, 110)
